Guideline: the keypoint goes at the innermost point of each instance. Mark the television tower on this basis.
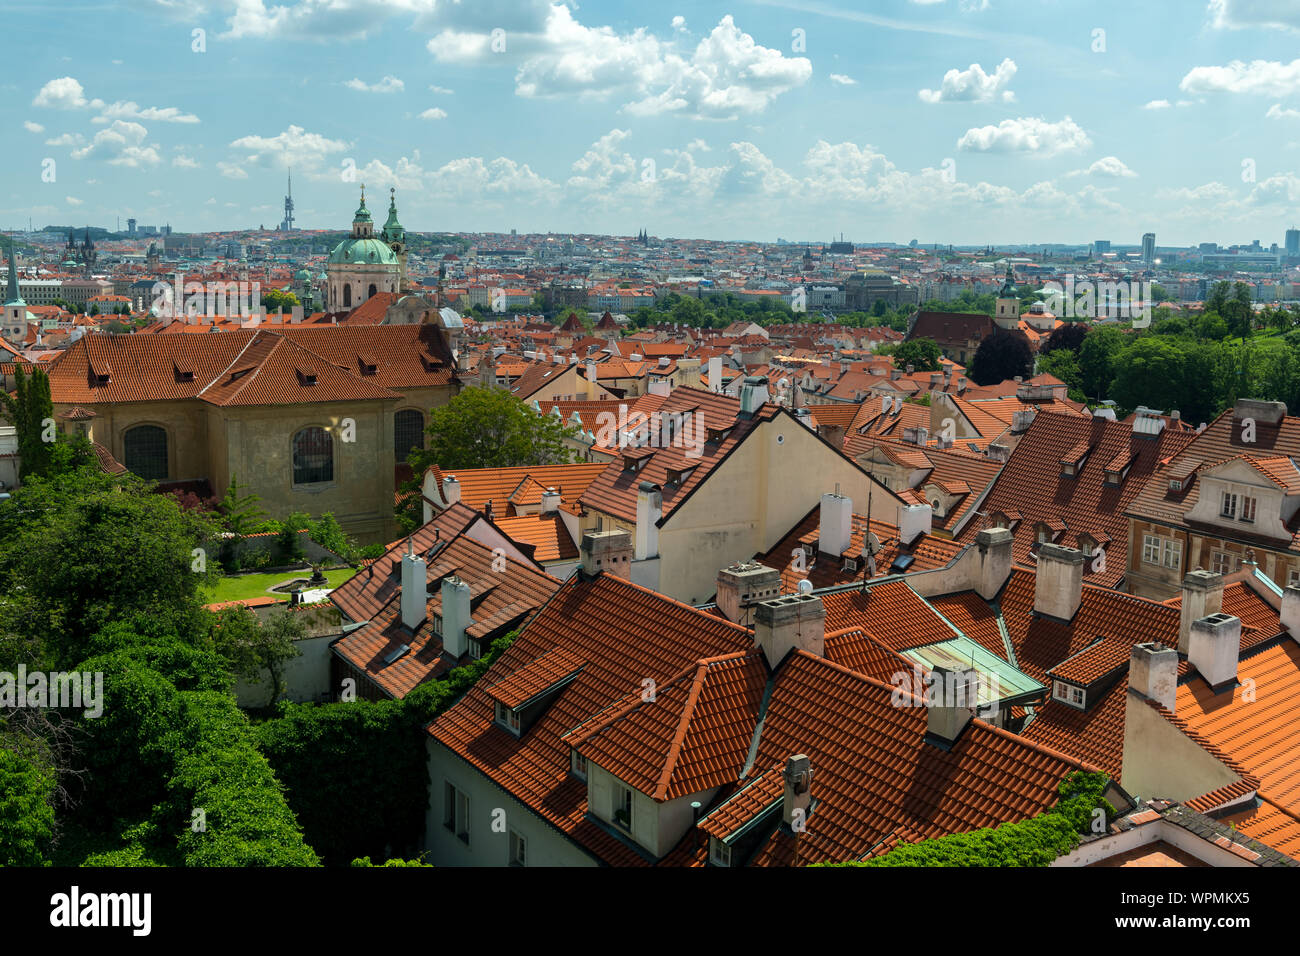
(287, 225)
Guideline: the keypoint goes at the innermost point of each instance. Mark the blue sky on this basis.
(964, 121)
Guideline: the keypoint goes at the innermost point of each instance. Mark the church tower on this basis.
(15, 320)
(395, 236)
(1007, 315)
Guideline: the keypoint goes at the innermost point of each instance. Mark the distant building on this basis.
(1149, 247)
(1293, 243)
(1101, 246)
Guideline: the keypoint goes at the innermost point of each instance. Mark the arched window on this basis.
(313, 456)
(371, 293)
(347, 294)
(145, 448)
(408, 432)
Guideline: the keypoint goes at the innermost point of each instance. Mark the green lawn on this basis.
(243, 586)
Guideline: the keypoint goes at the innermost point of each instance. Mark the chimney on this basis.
(607, 551)
(998, 452)
(649, 507)
(835, 527)
(994, 546)
(961, 384)
(895, 374)
(591, 379)
(913, 522)
(1021, 420)
(911, 369)
(744, 584)
(1153, 673)
(715, 373)
(455, 615)
(951, 699)
(922, 435)
(753, 395)
(784, 624)
(550, 501)
(1214, 647)
(450, 490)
(415, 589)
(1058, 585)
(1290, 612)
(1202, 596)
(797, 798)
(295, 316)
(935, 379)
(1267, 413)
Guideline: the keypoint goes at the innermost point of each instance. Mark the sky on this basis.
(949, 121)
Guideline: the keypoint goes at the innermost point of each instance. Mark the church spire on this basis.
(12, 297)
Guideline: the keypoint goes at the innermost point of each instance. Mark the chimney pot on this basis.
(995, 553)
(796, 621)
(1058, 583)
(1214, 648)
(835, 527)
(952, 698)
(1202, 593)
(1153, 673)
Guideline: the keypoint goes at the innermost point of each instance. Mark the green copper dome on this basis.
(302, 275)
(362, 252)
(393, 231)
(362, 213)
(1008, 287)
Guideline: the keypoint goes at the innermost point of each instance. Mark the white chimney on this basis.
(455, 615)
(295, 315)
(1058, 584)
(913, 522)
(415, 589)
(753, 395)
(591, 379)
(550, 501)
(1202, 596)
(836, 525)
(1153, 673)
(1290, 612)
(784, 624)
(715, 373)
(797, 796)
(1215, 646)
(649, 508)
(951, 700)
(995, 552)
(450, 490)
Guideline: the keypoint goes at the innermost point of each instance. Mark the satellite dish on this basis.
(805, 586)
(783, 384)
(871, 546)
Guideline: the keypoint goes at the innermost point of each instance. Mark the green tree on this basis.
(240, 510)
(1068, 336)
(1097, 360)
(255, 649)
(26, 809)
(275, 299)
(1001, 356)
(31, 411)
(1064, 364)
(1152, 371)
(922, 354)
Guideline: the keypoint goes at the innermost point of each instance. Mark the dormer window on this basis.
(507, 717)
(306, 376)
(1248, 505)
(1229, 505)
(850, 566)
(577, 765)
(1069, 694)
(719, 852)
(622, 807)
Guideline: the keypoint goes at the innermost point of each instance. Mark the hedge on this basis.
(1037, 841)
(357, 773)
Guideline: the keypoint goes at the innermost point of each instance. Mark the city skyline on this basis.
(968, 122)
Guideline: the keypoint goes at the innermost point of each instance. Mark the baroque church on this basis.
(365, 264)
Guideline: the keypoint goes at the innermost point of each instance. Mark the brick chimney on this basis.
(1058, 584)
(744, 584)
(1202, 596)
(455, 615)
(1153, 673)
(607, 551)
(951, 700)
(995, 547)
(784, 624)
(1214, 647)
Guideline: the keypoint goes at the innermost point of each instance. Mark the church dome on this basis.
(362, 252)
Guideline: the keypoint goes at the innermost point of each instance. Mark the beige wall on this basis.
(1160, 762)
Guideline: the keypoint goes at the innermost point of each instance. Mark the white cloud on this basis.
(1026, 135)
(231, 170)
(1110, 167)
(843, 80)
(389, 84)
(441, 90)
(433, 113)
(129, 110)
(65, 93)
(1242, 14)
(293, 147)
(184, 162)
(121, 144)
(1259, 77)
(1157, 105)
(1277, 112)
(974, 85)
(66, 139)
(33, 127)
(725, 75)
(74, 201)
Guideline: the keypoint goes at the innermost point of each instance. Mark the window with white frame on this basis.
(1068, 693)
(1150, 549)
(455, 811)
(719, 852)
(518, 849)
(1248, 505)
(507, 717)
(1223, 562)
(1229, 508)
(1292, 578)
(578, 764)
(1173, 554)
(623, 807)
